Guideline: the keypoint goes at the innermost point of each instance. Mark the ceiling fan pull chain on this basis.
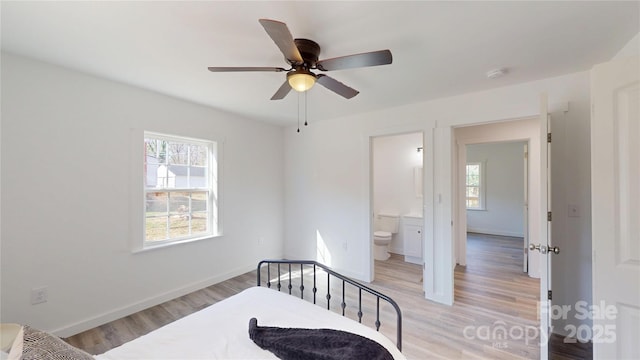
(305, 108)
(298, 110)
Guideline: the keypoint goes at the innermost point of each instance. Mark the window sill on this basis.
(478, 209)
(163, 245)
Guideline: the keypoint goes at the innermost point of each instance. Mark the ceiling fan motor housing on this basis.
(309, 50)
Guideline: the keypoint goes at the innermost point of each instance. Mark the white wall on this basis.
(66, 188)
(632, 48)
(395, 159)
(327, 172)
(327, 193)
(504, 189)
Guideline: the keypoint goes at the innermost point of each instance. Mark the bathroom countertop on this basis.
(413, 215)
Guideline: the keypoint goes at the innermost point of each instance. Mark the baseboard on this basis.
(569, 348)
(569, 340)
(494, 232)
(121, 312)
(397, 250)
(413, 260)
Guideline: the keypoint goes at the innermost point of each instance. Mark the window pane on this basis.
(156, 228)
(155, 151)
(178, 176)
(473, 170)
(198, 155)
(156, 216)
(151, 162)
(473, 186)
(160, 177)
(199, 201)
(199, 222)
(156, 203)
(151, 151)
(178, 226)
(179, 203)
(197, 178)
(179, 214)
(178, 153)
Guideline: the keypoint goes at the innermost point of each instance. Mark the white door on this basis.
(525, 211)
(545, 230)
(615, 195)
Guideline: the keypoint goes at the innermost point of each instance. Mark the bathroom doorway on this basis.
(397, 193)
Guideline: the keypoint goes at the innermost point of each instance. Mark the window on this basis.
(475, 186)
(180, 189)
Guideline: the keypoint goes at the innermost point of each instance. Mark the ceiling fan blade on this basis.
(282, 92)
(374, 58)
(279, 32)
(336, 86)
(233, 69)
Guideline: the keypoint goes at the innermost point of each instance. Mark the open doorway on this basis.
(514, 133)
(495, 254)
(496, 187)
(397, 200)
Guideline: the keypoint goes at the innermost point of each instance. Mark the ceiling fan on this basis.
(302, 56)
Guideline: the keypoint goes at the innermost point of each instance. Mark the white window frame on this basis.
(481, 187)
(214, 184)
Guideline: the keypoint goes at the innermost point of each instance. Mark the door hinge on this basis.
(549, 216)
(548, 137)
(549, 295)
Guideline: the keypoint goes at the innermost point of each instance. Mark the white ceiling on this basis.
(439, 48)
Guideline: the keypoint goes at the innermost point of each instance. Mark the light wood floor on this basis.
(491, 291)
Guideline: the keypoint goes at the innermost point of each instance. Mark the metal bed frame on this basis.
(340, 277)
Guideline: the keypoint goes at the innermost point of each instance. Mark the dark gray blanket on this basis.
(320, 344)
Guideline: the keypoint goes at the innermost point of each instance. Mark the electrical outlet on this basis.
(261, 241)
(39, 295)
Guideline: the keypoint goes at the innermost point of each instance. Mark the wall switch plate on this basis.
(573, 210)
(39, 295)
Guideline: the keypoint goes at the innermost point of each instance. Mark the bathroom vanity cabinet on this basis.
(412, 236)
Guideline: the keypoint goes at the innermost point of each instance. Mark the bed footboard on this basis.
(288, 270)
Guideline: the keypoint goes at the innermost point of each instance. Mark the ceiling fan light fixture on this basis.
(301, 80)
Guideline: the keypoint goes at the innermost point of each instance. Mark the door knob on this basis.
(541, 248)
(544, 249)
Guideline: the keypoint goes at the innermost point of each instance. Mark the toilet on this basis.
(385, 226)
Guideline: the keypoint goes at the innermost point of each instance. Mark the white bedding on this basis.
(221, 331)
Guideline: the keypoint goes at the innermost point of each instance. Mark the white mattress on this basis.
(221, 331)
